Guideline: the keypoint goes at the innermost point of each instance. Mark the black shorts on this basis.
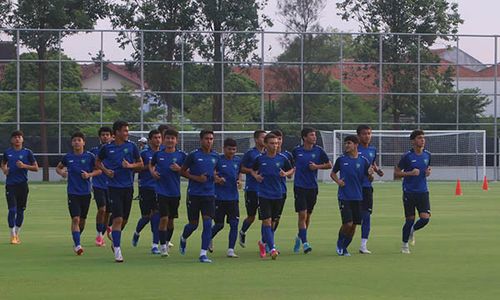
(121, 201)
(168, 206)
(101, 197)
(419, 201)
(251, 203)
(367, 203)
(17, 195)
(350, 211)
(147, 201)
(78, 205)
(200, 204)
(270, 208)
(282, 206)
(230, 209)
(305, 199)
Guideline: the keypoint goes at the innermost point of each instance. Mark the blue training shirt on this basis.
(76, 164)
(169, 184)
(10, 157)
(288, 156)
(112, 155)
(199, 163)
(229, 169)
(352, 172)
(269, 168)
(306, 178)
(101, 181)
(248, 161)
(409, 161)
(146, 180)
(370, 153)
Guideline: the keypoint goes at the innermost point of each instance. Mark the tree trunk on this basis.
(43, 118)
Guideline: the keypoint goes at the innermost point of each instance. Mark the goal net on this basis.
(456, 154)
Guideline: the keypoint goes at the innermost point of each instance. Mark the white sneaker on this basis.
(78, 250)
(164, 250)
(231, 254)
(170, 244)
(364, 251)
(118, 255)
(412, 237)
(405, 249)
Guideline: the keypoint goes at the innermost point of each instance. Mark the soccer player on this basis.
(353, 168)
(118, 160)
(165, 167)
(100, 188)
(78, 166)
(226, 194)
(199, 168)
(309, 158)
(147, 195)
(251, 185)
(364, 133)
(414, 168)
(268, 170)
(16, 162)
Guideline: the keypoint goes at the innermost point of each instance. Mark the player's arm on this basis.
(33, 166)
(246, 166)
(61, 169)
(333, 174)
(152, 167)
(255, 171)
(3, 165)
(95, 170)
(138, 163)
(185, 171)
(325, 163)
(287, 170)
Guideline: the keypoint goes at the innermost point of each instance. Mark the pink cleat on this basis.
(262, 249)
(99, 241)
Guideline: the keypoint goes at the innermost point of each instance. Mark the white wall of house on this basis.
(114, 82)
(487, 87)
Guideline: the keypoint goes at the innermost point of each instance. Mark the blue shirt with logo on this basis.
(101, 181)
(112, 155)
(370, 153)
(229, 169)
(409, 161)
(304, 177)
(10, 157)
(76, 164)
(201, 163)
(169, 184)
(248, 161)
(146, 180)
(269, 168)
(352, 172)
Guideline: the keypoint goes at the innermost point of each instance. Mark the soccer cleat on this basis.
(405, 249)
(340, 251)
(296, 246)
(13, 239)
(135, 239)
(78, 250)
(346, 253)
(242, 239)
(262, 249)
(274, 254)
(307, 248)
(412, 236)
(364, 251)
(155, 250)
(170, 244)
(182, 246)
(231, 254)
(204, 259)
(211, 246)
(118, 255)
(99, 241)
(108, 233)
(164, 250)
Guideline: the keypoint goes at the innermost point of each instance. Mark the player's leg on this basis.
(312, 196)
(366, 211)
(21, 202)
(10, 195)
(276, 221)
(163, 226)
(193, 207)
(265, 215)
(84, 210)
(173, 213)
(145, 206)
(155, 224)
(251, 204)
(74, 208)
(301, 210)
(117, 199)
(220, 215)
(424, 212)
(345, 238)
(409, 208)
(207, 209)
(233, 216)
(100, 220)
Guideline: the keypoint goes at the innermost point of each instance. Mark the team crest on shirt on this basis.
(83, 161)
(426, 161)
(213, 161)
(235, 166)
(278, 165)
(21, 156)
(371, 154)
(358, 165)
(174, 160)
(313, 155)
(125, 150)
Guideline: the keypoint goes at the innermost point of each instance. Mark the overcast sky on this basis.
(480, 17)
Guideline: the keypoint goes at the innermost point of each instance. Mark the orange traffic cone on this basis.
(485, 184)
(458, 189)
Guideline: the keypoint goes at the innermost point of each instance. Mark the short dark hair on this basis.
(171, 131)
(351, 138)
(117, 125)
(270, 136)
(277, 132)
(205, 132)
(416, 133)
(16, 133)
(153, 133)
(257, 133)
(305, 131)
(162, 127)
(104, 129)
(229, 142)
(361, 128)
(78, 134)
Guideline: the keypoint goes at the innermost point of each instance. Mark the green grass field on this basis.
(456, 256)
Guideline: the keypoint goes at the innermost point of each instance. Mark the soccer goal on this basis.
(456, 154)
(190, 140)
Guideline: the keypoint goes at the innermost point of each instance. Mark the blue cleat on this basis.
(307, 248)
(135, 239)
(340, 251)
(296, 246)
(155, 250)
(205, 259)
(346, 253)
(182, 246)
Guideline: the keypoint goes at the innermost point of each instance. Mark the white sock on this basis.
(203, 252)
(13, 231)
(163, 247)
(17, 229)
(405, 245)
(363, 243)
(154, 245)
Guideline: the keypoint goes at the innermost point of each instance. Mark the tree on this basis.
(5, 9)
(49, 14)
(301, 15)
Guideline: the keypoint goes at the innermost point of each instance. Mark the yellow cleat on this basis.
(14, 240)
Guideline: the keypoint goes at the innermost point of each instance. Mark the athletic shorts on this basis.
(367, 203)
(200, 204)
(251, 203)
(101, 197)
(229, 209)
(147, 201)
(418, 201)
(78, 205)
(121, 201)
(168, 206)
(17, 195)
(350, 211)
(305, 199)
(270, 208)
